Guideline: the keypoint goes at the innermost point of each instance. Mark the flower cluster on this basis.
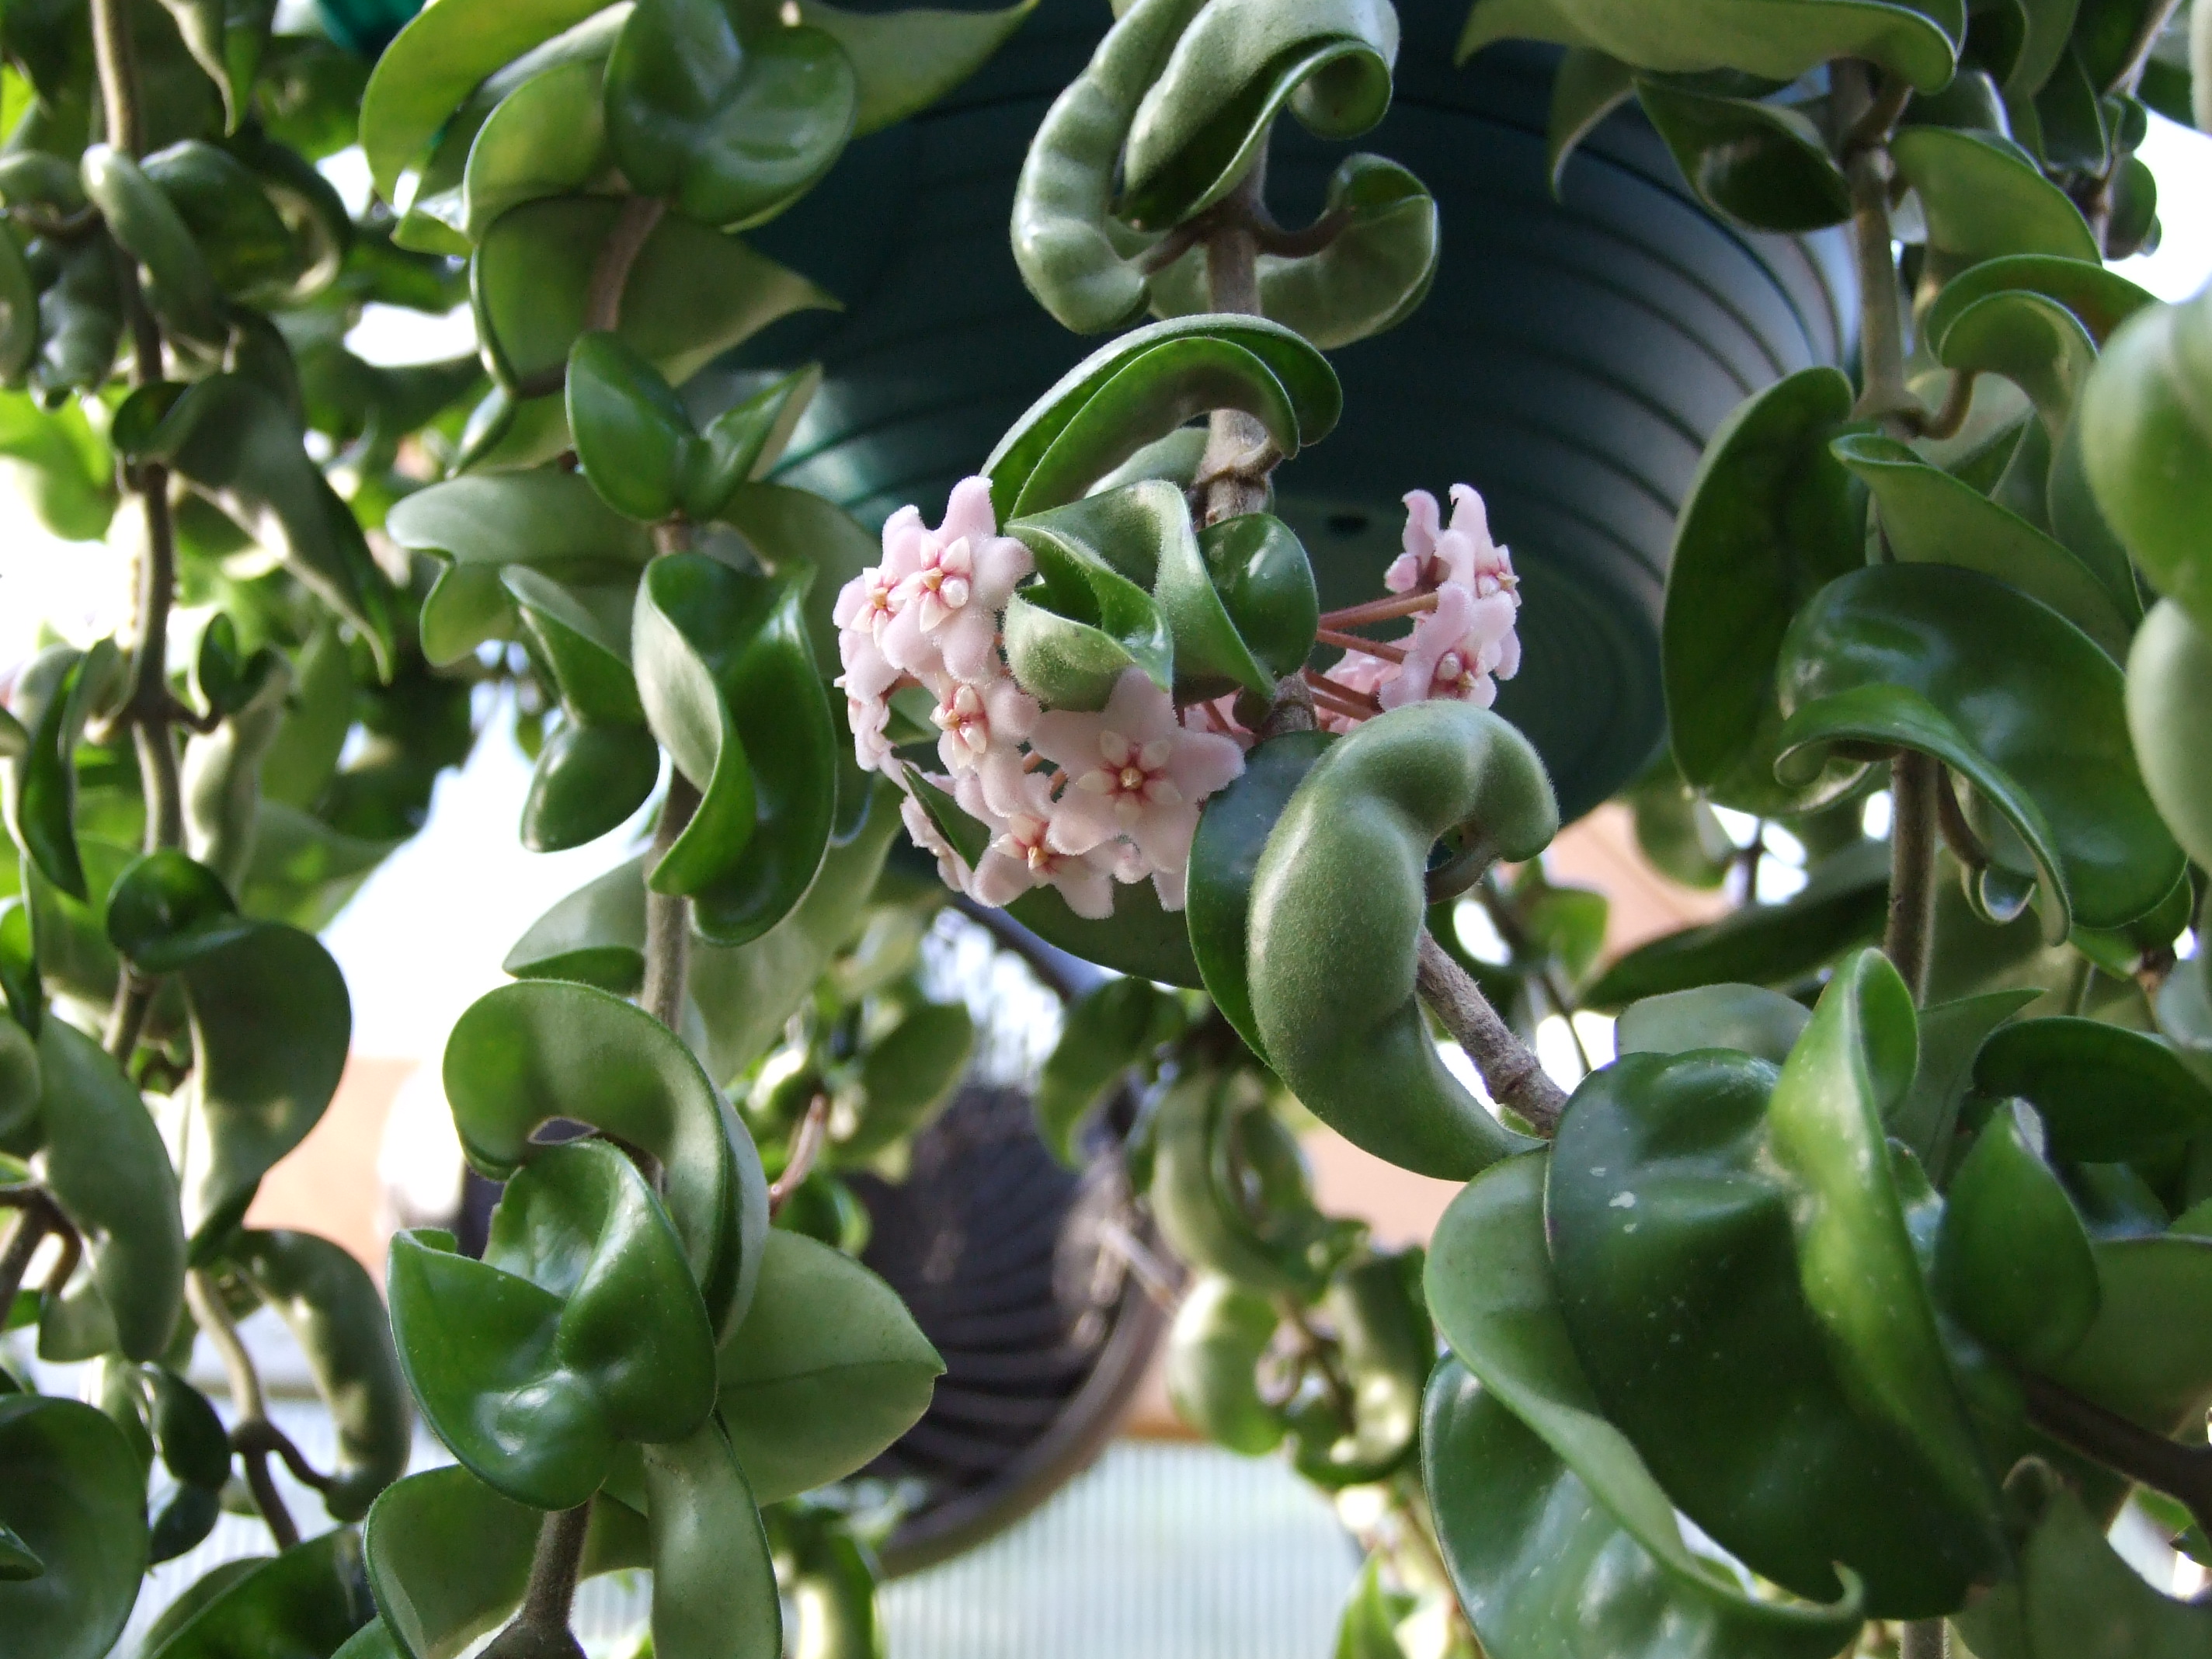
(1079, 801)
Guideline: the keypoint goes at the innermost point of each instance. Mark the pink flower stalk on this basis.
(984, 726)
(946, 604)
(1022, 856)
(1135, 772)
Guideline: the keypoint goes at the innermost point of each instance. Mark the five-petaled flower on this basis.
(1022, 855)
(984, 726)
(953, 581)
(1134, 772)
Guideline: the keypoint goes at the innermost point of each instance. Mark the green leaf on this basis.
(581, 1328)
(333, 1309)
(828, 1370)
(1386, 1345)
(692, 293)
(713, 1584)
(2007, 692)
(1337, 905)
(237, 445)
(729, 687)
(2099, 300)
(2169, 681)
(1774, 1358)
(1139, 937)
(905, 61)
(2013, 1261)
(2148, 1357)
(436, 61)
(448, 1558)
(1748, 1018)
(907, 1071)
(1771, 517)
(553, 522)
(1929, 517)
(19, 1086)
(1550, 1520)
(104, 1164)
(1105, 1032)
(1094, 418)
(546, 137)
(2105, 1094)
(525, 1055)
(730, 132)
(1212, 1361)
(1676, 829)
(310, 1600)
(56, 694)
(19, 314)
(1589, 86)
(1983, 197)
(251, 1099)
(588, 780)
(149, 229)
(1951, 1036)
(57, 462)
(2146, 446)
(1914, 39)
(1761, 165)
(251, 253)
(165, 909)
(74, 1498)
(595, 936)
(1202, 124)
(798, 535)
(227, 38)
(2077, 1595)
(1263, 582)
(631, 433)
(1070, 635)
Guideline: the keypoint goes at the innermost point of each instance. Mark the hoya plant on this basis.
(1845, 1309)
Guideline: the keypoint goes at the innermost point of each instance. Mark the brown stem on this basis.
(2180, 1472)
(126, 1019)
(1376, 611)
(1951, 819)
(262, 1437)
(1867, 166)
(1508, 1069)
(667, 915)
(1273, 239)
(540, 1628)
(1945, 422)
(1354, 642)
(1237, 462)
(206, 1303)
(1912, 830)
(805, 1146)
(1291, 709)
(1924, 1639)
(1339, 696)
(610, 270)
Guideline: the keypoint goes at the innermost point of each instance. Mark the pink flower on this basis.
(1218, 717)
(984, 726)
(1464, 554)
(1456, 649)
(869, 718)
(946, 604)
(1355, 671)
(951, 868)
(1134, 771)
(1021, 856)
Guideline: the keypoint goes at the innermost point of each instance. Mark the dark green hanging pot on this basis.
(1570, 361)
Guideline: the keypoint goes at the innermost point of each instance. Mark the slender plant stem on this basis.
(610, 270)
(209, 1312)
(1508, 1069)
(117, 66)
(2180, 1472)
(1376, 648)
(1375, 610)
(1238, 453)
(805, 1146)
(540, 1629)
(1924, 1639)
(1881, 319)
(1914, 813)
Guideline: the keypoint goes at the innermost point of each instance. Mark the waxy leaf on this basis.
(1387, 1347)
(1760, 164)
(1748, 1018)
(1771, 518)
(2148, 1356)
(1058, 448)
(2105, 1094)
(587, 781)
(2013, 1261)
(794, 533)
(1139, 937)
(2003, 690)
(59, 465)
(1772, 1354)
(730, 131)
(1916, 39)
(57, 694)
(1088, 616)
(166, 908)
(1983, 196)
(907, 1069)
(1549, 1519)
(525, 1055)
(75, 1500)
(547, 137)
(1951, 1034)
(2079, 1596)
(713, 1584)
(1104, 1033)
(828, 1370)
(2169, 684)
(581, 1328)
(2098, 299)
(104, 1163)
(1211, 1367)
(448, 1558)
(1337, 905)
(630, 429)
(310, 1600)
(147, 225)
(729, 687)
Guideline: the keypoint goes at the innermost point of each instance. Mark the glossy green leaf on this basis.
(1213, 1352)
(534, 1363)
(221, 771)
(19, 314)
(1060, 446)
(1929, 517)
(525, 1055)
(692, 293)
(1386, 1345)
(104, 1163)
(1761, 165)
(333, 1309)
(308, 1601)
(906, 60)
(2148, 1356)
(251, 252)
(1951, 1034)
(2077, 1595)
(1748, 1018)
(1225, 856)
(2169, 686)
(1139, 937)
(19, 1086)
(587, 781)
(546, 137)
(713, 1584)
(1589, 86)
(142, 220)
(630, 431)
(59, 465)
(2105, 1094)
(2014, 1262)
(1104, 1033)
(56, 694)
(18, 1560)
(1983, 196)
(799, 536)
(2146, 446)
(1241, 604)
(1088, 617)
(165, 909)
(74, 1498)
(730, 132)
(1771, 517)
(582, 637)
(433, 64)
(1916, 39)
(1204, 122)
(195, 1448)
(80, 323)
(2099, 299)
(251, 1100)
(828, 1370)
(1772, 1356)
(907, 1072)
(744, 441)
(595, 936)
(1551, 1523)
(2003, 690)
(729, 687)
(1337, 905)
(237, 445)
(448, 1558)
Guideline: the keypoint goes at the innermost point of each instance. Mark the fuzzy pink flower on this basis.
(1464, 554)
(1134, 771)
(1455, 650)
(1355, 671)
(1021, 856)
(946, 604)
(869, 719)
(984, 726)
